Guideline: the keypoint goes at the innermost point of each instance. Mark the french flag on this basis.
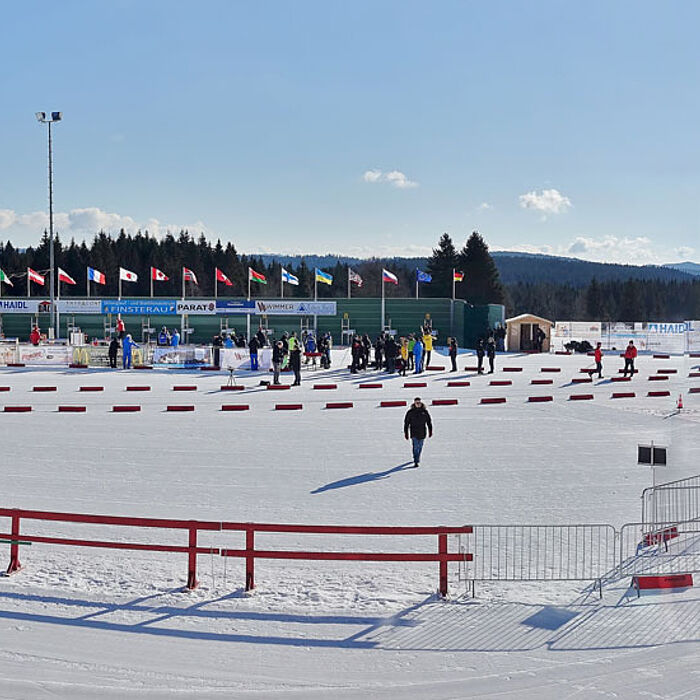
(96, 276)
(389, 277)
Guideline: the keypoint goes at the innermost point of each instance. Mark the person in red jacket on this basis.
(35, 336)
(598, 356)
(630, 354)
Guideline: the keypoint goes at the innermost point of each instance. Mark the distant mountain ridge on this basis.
(527, 268)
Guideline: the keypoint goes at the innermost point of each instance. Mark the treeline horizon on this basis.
(609, 300)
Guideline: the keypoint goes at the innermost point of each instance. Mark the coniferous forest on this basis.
(532, 288)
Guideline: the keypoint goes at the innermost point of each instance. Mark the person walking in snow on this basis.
(416, 424)
(112, 352)
(277, 357)
(598, 357)
(630, 355)
(480, 351)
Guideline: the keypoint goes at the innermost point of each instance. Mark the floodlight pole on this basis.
(55, 318)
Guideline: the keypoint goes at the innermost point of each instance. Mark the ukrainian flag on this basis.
(323, 277)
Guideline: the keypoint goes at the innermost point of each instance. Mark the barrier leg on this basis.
(192, 582)
(14, 547)
(442, 549)
(250, 559)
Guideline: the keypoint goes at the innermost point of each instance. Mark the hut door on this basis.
(526, 331)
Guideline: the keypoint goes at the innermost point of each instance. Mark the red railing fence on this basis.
(442, 556)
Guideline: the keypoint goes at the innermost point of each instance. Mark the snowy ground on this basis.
(85, 623)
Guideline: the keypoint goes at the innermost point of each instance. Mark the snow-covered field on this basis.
(91, 622)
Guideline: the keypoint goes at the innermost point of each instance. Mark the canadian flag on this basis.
(189, 276)
(158, 276)
(221, 277)
(65, 277)
(128, 275)
(35, 276)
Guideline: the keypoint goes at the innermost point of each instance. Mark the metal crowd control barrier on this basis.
(15, 538)
(676, 501)
(538, 553)
(659, 548)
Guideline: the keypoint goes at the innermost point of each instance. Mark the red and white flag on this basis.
(128, 275)
(65, 277)
(189, 276)
(389, 277)
(158, 276)
(221, 277)
(35, 276)
(354, 277)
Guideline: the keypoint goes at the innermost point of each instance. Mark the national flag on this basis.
(458, 276)
(128, 275)
(35, 276)
(423, 276)
(158, 275)
(256, 276)
(96, 276)
(65, 277)
(323, 277)
(189, 276)
(4, 278)
(289, 278)
(389, 277)
(354, 277)
(221, 277)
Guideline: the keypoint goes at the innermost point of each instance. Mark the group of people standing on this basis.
(287, 352)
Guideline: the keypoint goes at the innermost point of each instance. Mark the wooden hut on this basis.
(522, 333)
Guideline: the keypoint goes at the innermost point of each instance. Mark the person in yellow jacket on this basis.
(404, 357)
(428, 344)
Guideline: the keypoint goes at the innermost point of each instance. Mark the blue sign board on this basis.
(144, 307)
(235, 306)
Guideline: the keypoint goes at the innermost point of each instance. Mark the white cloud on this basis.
(394, 177)
(27, 229)
(485, 206)
(546, 201)
(684, 252)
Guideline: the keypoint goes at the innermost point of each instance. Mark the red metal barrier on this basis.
(249, 553)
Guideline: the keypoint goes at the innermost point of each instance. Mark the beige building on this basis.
(522, 333)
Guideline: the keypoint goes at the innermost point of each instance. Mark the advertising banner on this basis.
(79, 306)
(46, 354)
(181, 357)
(19, 306)
(144, 307)
(295, 308)
(566, 331)
(666, 337)
(239, 358)
(693, 336)
(235, 306)
(199, 307)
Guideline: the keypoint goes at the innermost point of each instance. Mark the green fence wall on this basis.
(403, 315)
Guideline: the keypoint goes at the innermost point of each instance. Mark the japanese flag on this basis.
(128, 275)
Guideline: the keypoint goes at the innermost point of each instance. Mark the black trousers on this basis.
(295, 362)
(453, 359)
(599, 369)
(629, 365)
(491, 359)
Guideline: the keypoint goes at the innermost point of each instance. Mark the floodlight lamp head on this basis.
(56, 116)
(41, 116)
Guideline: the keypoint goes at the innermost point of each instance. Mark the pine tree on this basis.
(440, 265)
(482, 284)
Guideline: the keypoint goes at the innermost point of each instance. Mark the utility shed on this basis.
(523, 333)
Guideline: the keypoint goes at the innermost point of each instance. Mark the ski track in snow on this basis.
(85, 623)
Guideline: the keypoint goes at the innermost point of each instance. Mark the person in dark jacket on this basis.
(217, 343)
(163, 337)
(480, 351)
(416, 424)
(390, 350)
(294, 345)
(113, 351)
(253, 348)
(491, 352)
(366, 349)
(356, 352)
(262, 340)
(379, 352)
(277, 357)
(452, 345)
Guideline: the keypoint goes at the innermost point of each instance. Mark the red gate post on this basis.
(250, 558)
(14, 546)
(442, 549)
(192, 582)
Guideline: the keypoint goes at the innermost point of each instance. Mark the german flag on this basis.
(458, 276)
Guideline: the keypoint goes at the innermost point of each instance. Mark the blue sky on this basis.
(359, 127)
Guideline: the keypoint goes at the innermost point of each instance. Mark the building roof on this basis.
(529, 318)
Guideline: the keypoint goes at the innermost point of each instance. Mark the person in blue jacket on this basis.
(175, 339)
(418, 355)
(310, 347)
(128, 345)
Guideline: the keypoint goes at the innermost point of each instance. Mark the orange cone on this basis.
(680, 402)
